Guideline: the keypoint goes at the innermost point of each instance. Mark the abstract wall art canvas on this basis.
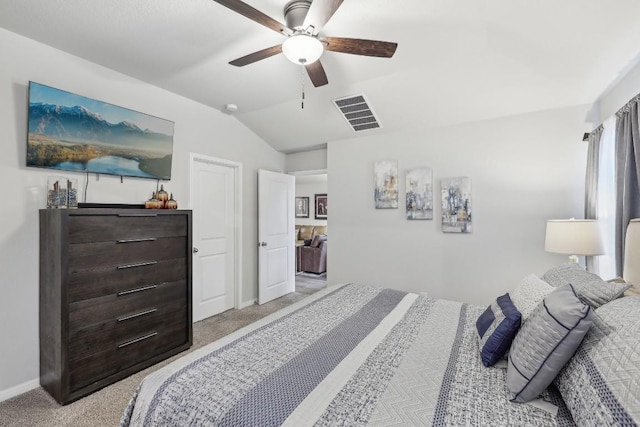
(386, 184)
(419, 193)
(456, 205)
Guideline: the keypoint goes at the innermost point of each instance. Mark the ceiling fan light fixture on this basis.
(302, 49)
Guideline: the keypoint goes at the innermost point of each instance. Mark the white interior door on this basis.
(276, 246)
(215, 203)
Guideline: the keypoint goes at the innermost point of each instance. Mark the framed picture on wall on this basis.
(456, 204)
(385, 174)
(321, 206)
(419, 193)
(302, 207)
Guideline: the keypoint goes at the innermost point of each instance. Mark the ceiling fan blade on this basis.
(316, 74)
(319, 13)
(257, 56)
(255, 15)
(360, 46)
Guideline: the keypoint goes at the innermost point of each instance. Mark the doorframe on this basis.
(237, 229)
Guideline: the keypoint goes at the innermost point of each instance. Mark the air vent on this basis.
(356, 111)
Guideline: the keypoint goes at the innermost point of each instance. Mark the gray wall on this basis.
(523, 169)
(619, 95)
(315, 160)
(198, 129)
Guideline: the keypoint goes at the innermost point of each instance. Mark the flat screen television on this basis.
(73, 133)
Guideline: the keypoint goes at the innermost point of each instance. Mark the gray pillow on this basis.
(529, 293)
(545, 343)
(600, 383)
(588, 286)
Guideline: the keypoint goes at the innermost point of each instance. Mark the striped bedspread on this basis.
(349, 355)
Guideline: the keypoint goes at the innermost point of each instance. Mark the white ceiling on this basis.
(457, 60)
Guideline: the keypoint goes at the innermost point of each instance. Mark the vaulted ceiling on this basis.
(457, 60)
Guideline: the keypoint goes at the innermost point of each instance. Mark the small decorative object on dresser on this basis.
(62, 192)
(115, 295)
(171, 203)
(162, 196)
(152, 203)
(161, 200)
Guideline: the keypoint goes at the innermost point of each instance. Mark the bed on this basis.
(362, 355)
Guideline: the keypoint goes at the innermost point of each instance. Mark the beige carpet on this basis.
(106, 406)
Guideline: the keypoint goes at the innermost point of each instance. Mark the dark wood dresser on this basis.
(115, 295)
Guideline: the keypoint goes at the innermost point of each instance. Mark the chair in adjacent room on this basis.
(313, 258)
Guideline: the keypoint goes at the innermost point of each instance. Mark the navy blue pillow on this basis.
(497, 327)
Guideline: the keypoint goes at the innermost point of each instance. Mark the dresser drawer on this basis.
(88, 256)
(97, 338)
(94, 311)
(87, 284)
(135, 349)
(125, 226)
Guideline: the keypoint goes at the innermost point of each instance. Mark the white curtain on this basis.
(591, 187)
(606, 203)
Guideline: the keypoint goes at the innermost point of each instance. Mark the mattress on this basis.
(348, 355)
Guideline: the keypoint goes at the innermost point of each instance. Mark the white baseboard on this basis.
(247, 304)
(19, 389)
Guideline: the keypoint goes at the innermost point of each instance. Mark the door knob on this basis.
(195, 250)
(262, 244)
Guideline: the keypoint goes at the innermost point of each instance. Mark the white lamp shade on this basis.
(302, 49)
(574, 237)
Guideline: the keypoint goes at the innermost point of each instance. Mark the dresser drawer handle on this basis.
(133, 316)
(139, 264)
(148, 239)
(137, 215)
(135, 340)
(133, 291)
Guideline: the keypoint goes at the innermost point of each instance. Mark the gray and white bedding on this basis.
(348, 355)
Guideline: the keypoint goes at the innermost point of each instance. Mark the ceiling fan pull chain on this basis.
(302, 85)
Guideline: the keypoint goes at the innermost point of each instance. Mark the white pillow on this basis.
(529, 293)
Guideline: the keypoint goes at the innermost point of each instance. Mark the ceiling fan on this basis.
(304, 45)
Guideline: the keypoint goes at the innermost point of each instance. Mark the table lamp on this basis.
(574, 237)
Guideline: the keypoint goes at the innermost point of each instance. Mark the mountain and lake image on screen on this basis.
(74, 133)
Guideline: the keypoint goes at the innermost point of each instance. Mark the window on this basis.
(606, 203)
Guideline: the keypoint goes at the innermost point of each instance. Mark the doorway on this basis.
(312, 194)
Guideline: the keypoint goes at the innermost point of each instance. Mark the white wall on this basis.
(198, 129)
(315, 160)
(309, 186)
(523, 169)
(619, 95)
